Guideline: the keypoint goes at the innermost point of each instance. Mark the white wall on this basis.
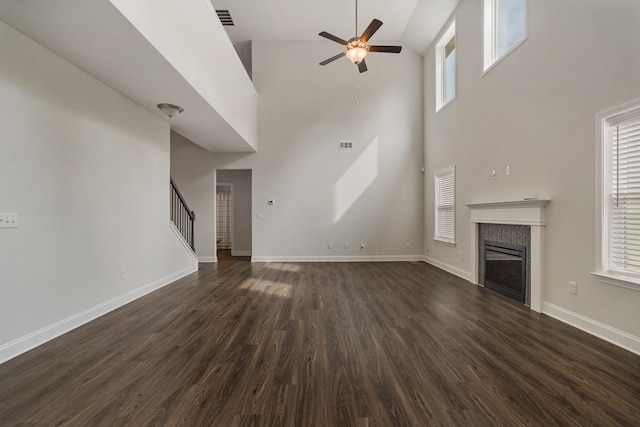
(241, 180)
(193, 172)
(373, 194)
(88, 173)
(536, 112)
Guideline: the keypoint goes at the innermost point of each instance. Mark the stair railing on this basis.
(182, 216)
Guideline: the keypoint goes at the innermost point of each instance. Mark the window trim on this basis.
(440, 52)
(602, 272)
(489, 33)
(443, 173)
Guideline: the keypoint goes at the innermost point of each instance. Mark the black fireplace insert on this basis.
(505, 269)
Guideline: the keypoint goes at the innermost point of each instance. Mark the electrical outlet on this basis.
(9, 220)
(462, 256)
(362, 245)
(123, 274)
(346, 245)
(573, 288)
(329, 245)
(407, 244)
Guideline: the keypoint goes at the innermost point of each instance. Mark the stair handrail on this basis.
(187, 230)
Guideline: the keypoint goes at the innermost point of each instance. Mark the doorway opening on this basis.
(224, 216)
(233, 214)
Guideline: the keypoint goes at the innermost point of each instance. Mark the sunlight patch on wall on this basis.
(356, 179)
(268, 287)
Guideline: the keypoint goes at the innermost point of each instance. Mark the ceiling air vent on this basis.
(225, 17)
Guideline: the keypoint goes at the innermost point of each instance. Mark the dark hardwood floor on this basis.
(362, 344)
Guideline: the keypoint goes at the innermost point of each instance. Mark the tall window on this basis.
(445, 205)
(505, 27)
(446, 67)
(620, 198)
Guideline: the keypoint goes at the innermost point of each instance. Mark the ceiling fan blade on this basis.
(371, 29)
(333, 38)
(388, 49)
(333, 58)
(362, 66)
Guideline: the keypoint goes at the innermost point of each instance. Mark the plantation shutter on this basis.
(624, 212)
(445, 205)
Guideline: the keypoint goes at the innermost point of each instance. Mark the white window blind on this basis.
(445, 205)
(624, 203)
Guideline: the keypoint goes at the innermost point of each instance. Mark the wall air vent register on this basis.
(225, 17)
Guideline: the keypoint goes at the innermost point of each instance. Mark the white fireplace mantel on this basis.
(517, 212)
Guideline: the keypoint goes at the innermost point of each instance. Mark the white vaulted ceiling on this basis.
(413, 22)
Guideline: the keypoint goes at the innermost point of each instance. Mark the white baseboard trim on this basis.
(364, 258)
(448, 268)
(28, 342)
(240, 253)
(207, 259)
(593, 327)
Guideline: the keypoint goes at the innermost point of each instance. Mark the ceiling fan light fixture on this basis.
(356, 54)
(357, 47)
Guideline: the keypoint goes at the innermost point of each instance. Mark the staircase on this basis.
(182, 216)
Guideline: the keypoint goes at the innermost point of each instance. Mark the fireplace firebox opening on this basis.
(505, 269)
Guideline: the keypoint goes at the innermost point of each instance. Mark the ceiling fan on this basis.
(357, 47)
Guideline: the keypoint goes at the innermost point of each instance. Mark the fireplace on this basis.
(528, 212)
(505, 269)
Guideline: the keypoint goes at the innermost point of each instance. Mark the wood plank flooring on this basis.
(345, 344)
